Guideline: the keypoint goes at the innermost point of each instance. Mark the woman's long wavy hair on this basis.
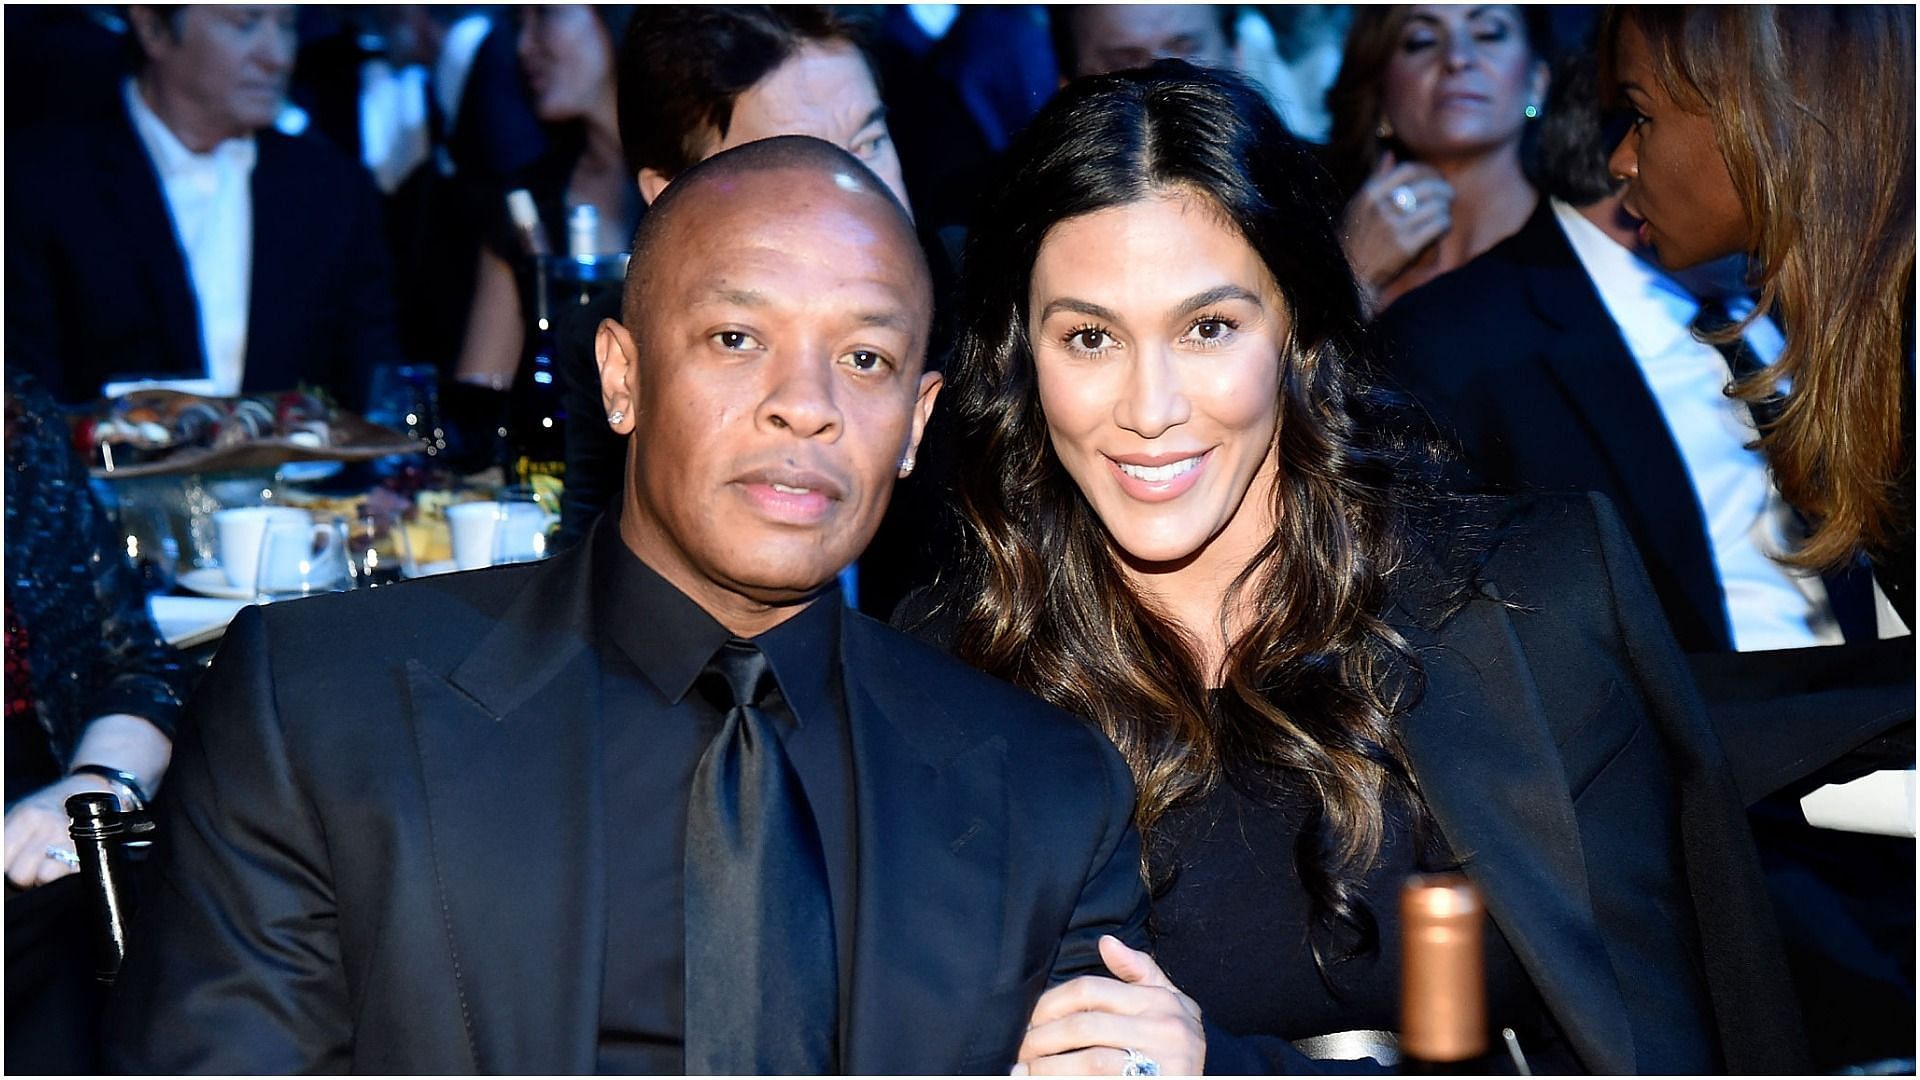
(1314, 686)
(1813, 110)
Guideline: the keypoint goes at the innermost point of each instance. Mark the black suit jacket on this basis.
(98, 288)
(1515, 356)
(1567, 760)
(387, 823)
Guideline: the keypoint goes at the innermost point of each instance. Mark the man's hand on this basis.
(1084, 1027)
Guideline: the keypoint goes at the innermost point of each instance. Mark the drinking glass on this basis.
(301, 560)
(378, 552)
(520, 527)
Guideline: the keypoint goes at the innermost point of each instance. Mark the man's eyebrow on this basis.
(890, 320)
(737, 297)
(877, 116)
(1084, 307)
(1217, 294)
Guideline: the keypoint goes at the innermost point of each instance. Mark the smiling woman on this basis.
(1182, 523)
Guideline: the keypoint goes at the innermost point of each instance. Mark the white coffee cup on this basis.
(488, 532)
(239, 531)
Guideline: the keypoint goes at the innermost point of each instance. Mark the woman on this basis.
(568, 53)
(1177, 527)
(1429, 114)
(92, 695)
(1786, 133)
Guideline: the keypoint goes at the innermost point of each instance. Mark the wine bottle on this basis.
(1443, 993)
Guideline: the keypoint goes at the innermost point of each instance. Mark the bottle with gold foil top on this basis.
(1443, 990)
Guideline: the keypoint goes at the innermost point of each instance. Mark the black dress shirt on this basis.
(655, 642)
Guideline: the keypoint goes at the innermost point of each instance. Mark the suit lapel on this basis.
(1606, 392)
(931, 807)
(1491, 775)
(136, 212)
(281, 206)
(510, 751)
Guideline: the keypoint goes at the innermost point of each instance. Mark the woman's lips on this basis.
(1159, 478)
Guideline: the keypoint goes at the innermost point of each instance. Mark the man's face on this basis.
(227, 66)
(773, 385)
(826, 91)
(1115, 37)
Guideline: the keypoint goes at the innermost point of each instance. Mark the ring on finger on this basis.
(1139, 1064)
(62, 855)
(1404, 199)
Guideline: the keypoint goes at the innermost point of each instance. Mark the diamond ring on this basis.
(60, 854)
(1403, 199)
(1139, 1064)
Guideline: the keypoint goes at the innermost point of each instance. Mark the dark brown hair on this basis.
(1314, 687)
(682, 65)
(1355, 102)
(1812, 107)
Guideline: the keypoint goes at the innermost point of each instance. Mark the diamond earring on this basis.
(616, 416)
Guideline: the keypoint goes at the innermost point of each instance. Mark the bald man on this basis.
(658, 804)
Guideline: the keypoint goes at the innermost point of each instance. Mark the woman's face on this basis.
(1677, 182)
(568, 59)
(1157, 334)
(1460, 79)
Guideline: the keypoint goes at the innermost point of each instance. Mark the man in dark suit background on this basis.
(1565, 360)
(181, 238)
(658, 804)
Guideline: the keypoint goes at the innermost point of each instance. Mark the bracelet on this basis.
(135, 792)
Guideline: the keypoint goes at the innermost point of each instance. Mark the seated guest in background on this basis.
(184, 240)
(1430, 118)
(431, 99)
(1178, 526)
(1786, 134)
(687, 766)
(567, 51)
(695, 81)
(1093, 39)
(92, 693)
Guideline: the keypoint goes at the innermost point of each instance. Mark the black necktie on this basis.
(1850, 590)
(761, 982)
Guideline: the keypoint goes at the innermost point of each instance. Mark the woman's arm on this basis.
(496, 330)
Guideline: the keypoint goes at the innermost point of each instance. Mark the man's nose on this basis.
(800, 394)
(1154, 401)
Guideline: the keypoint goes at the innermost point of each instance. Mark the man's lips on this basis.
(791, 495)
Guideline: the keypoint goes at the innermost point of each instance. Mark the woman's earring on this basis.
(1533, 111)
(1383, 129)
(906, 466)
(615, 417)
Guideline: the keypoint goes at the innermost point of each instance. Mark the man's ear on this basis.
(652, 183)
(150, 28)
(619, 361)
(930, 384)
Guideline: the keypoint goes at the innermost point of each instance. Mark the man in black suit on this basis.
(659, 803)
(1563, 360)
(182, 238)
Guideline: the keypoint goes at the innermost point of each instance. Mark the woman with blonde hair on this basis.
(1786, 133)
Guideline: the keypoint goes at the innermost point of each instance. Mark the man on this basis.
(1564, 359)
(1094, 39)
(694, 81)
(182, 239)
(480, 823)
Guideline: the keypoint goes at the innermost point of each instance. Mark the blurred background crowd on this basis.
(421, 213)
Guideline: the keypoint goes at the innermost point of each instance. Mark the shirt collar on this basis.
(670, 638)
(1651, 309)
(170, 156)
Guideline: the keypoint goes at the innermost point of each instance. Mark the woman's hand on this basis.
(38, 822)
(1398, 214)
(1086, 1026)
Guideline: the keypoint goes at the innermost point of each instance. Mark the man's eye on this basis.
(866, 360)
(734, 340)
(870, 145)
